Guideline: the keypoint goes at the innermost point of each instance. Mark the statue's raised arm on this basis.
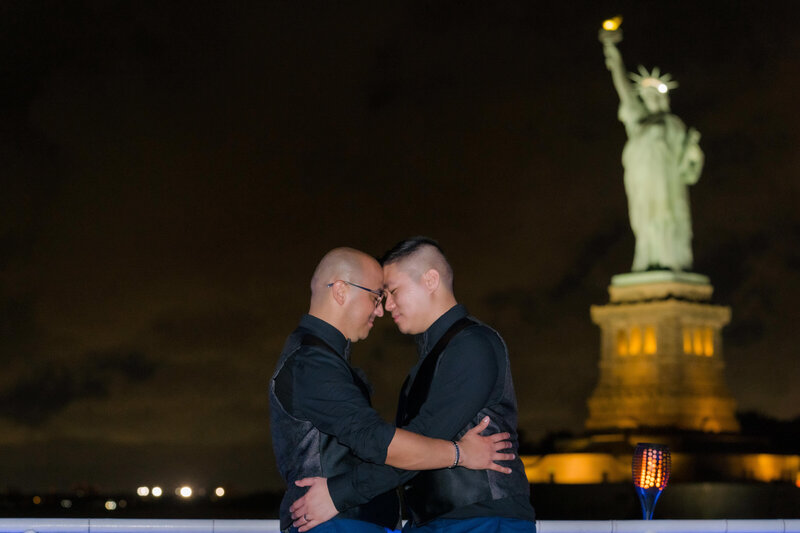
(619, 76)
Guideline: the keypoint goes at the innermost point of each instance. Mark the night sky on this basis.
(173, 171)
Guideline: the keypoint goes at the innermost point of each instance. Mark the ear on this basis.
(339, 291)
(431, 279)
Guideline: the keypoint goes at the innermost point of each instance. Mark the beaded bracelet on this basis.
(458, 455)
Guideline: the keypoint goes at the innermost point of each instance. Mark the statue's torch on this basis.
(610, 32)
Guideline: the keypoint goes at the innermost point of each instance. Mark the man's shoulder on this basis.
(304, 347)
(480, 329)
(311, 348)
(478, 335)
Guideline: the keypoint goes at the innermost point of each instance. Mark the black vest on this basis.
(432, 493)
(303, 451)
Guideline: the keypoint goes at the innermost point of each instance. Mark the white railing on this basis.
(124, 525)
(668, 526)
(112, 525)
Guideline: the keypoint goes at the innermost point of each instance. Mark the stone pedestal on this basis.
(661, 362)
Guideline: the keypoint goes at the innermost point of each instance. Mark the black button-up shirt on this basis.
(317, 385)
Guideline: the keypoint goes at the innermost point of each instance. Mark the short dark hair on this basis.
(407, 247)
(435, 259)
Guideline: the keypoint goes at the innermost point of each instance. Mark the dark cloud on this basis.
(46, 390)
(130, 366)
(591, 252)
(750, 273)
(219, 329)
(18, 328)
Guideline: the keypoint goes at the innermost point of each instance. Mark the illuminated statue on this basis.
(661, 158)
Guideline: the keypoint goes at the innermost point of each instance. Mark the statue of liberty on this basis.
(661, 159)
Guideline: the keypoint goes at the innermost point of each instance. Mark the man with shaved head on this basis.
(462, 377)
(321, 420)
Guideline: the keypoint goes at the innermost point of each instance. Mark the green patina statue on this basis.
(661, 159)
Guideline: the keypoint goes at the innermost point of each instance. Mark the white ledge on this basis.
(125, 525)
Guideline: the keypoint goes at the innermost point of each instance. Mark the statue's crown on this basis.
(653, 80)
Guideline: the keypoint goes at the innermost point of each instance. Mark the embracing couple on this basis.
(342, 463)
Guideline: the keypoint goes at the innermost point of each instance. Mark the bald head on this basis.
(340, 263)
(343, 291)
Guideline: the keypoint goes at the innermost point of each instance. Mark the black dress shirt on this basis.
(317, 385)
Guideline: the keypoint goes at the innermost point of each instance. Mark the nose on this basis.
(389, 302)
(379, 310)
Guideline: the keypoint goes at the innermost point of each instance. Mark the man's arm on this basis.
(360, 485)
(464, 381)
(409, 451)
(325, 394)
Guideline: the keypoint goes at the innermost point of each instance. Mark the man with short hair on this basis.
(321, 420)
(462, 375)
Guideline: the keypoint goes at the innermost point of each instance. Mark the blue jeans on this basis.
(493, 524)
(345, 525)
